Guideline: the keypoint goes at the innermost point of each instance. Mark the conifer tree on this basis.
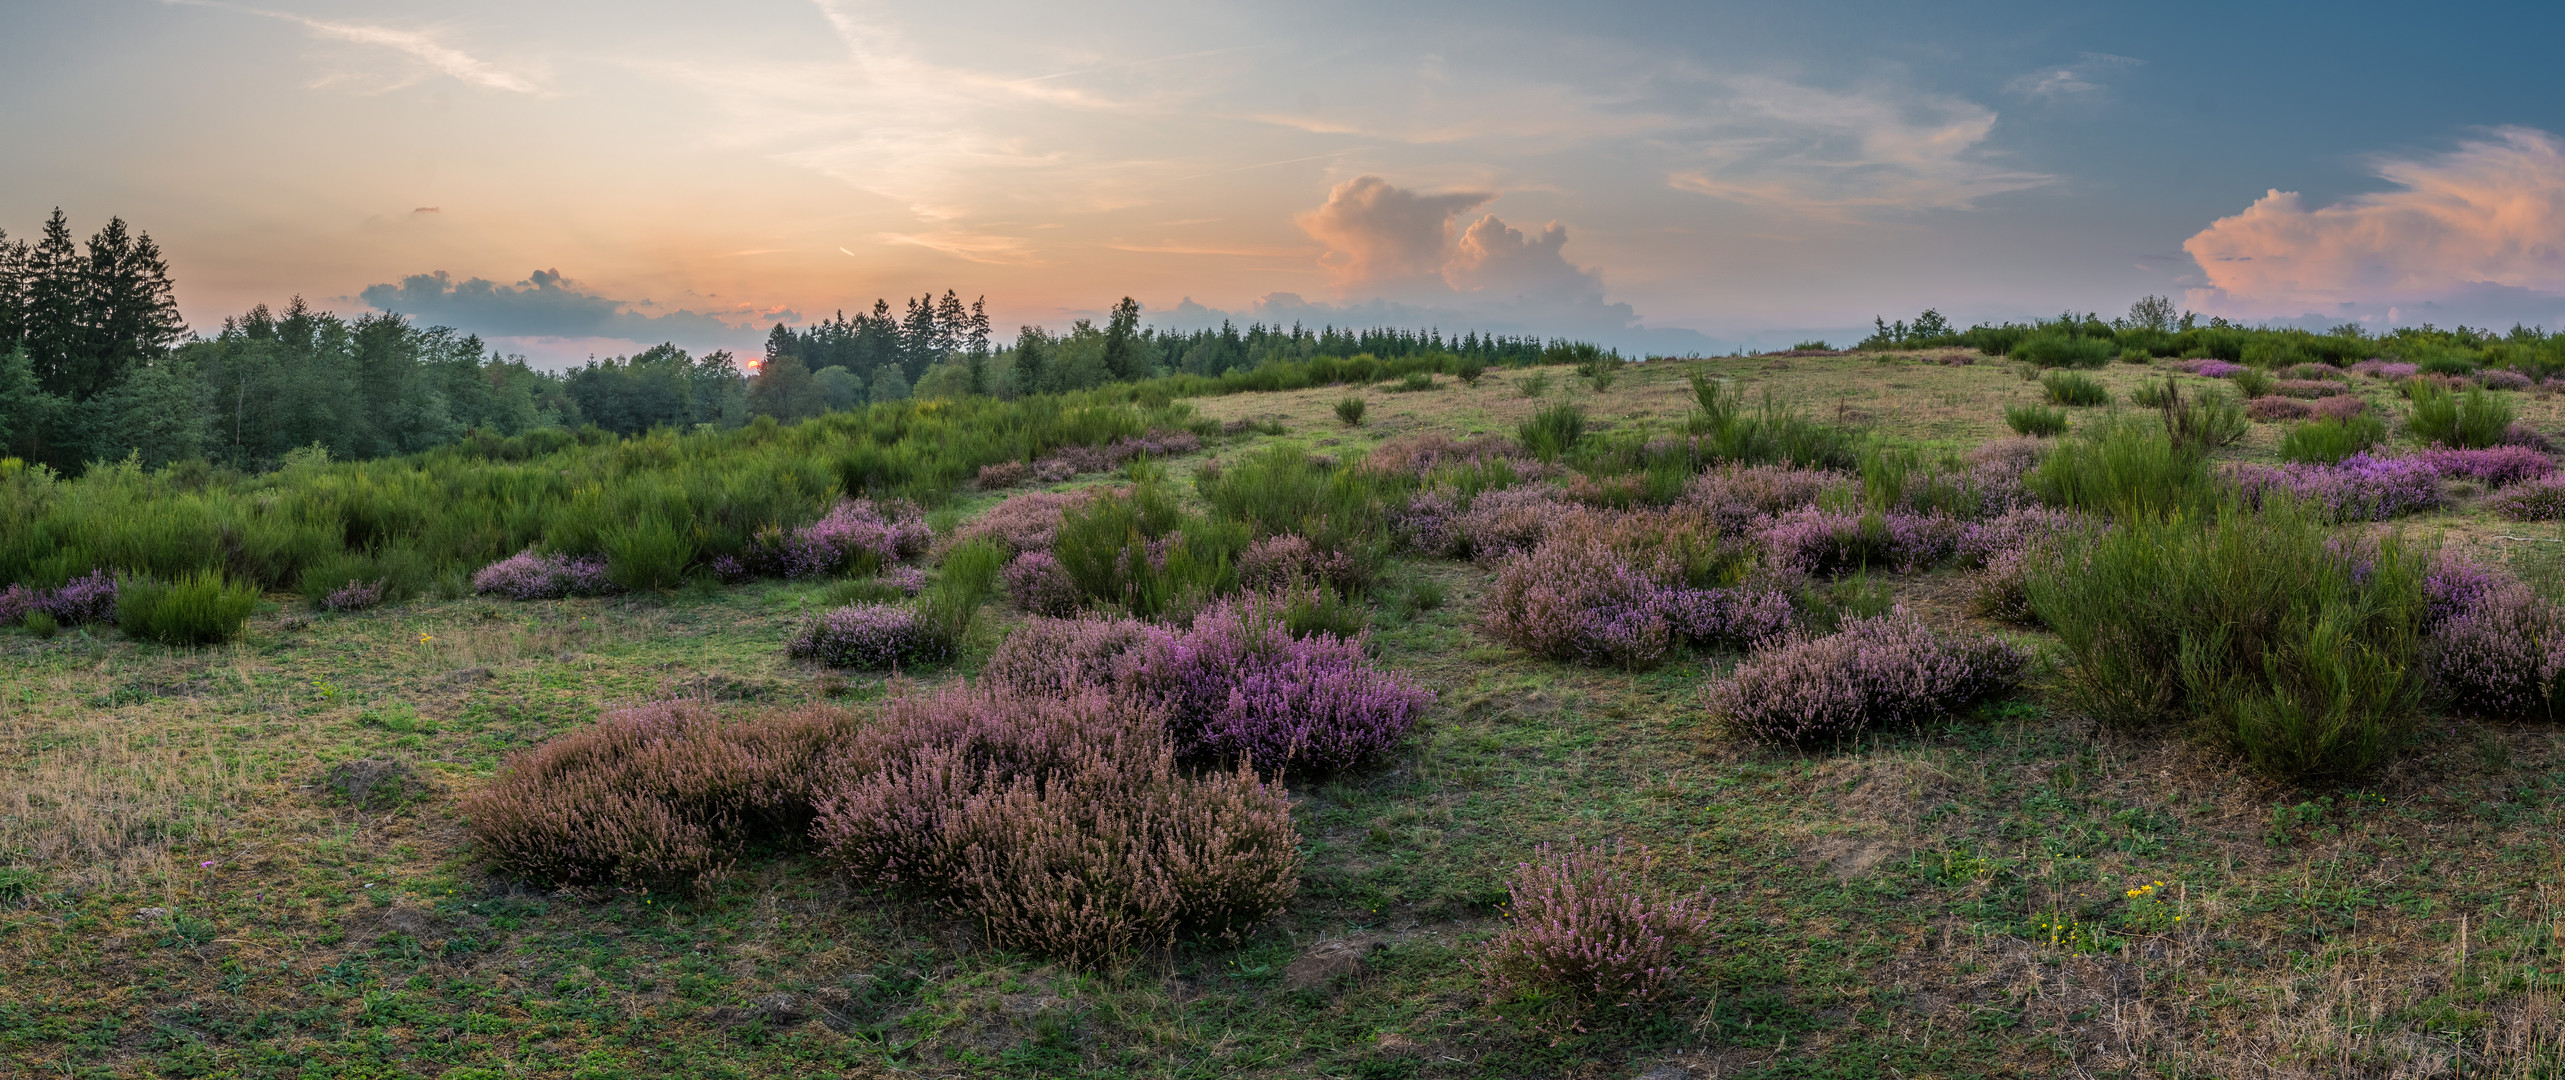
(52, 313)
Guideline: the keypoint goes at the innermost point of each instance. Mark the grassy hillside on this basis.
(247, 859)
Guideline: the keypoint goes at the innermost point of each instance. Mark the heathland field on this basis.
(1775, 716)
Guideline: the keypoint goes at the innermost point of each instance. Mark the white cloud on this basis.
(1837, 155)
(421, 48)
(2082, 78)
(2489, 214)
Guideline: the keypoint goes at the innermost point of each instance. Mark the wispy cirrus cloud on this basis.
(423, 49)
(2489, 214)
(2087, 76)
(1836, 155)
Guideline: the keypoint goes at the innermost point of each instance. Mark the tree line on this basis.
(96, 365)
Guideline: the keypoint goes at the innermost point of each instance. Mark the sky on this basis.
(583, 178)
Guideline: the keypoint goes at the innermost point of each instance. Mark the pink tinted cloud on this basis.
(1378, 234)
(2491, 211)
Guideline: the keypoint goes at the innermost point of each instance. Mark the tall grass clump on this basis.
(1553, 431)
(2035, 419)
(2205, 421)
(1771, 433)
(2124, 467)
(1887, 669)
(2052, 349)
(2258, 629)
(651, 553)
(1141, 552)
(968, 574)
(1059, 824)
(2074, 388)
(196, 609)
(2330, 440)
(1586, 926)
(2476, 418)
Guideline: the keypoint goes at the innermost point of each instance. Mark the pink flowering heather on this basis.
(2274, 407)
(2390, 370)
(1886, 670)
(2453, 588)
(1982, 542)
(1024, 522)
(1058, 824)
(1510, 520)
(355, 596)
(1604, 591)
(89, 599)
(1815, 541)
(1584, 923)
(2502, 656)
(1069, 461)
(2502, 379)
(1237, 686)
(1429, 523)
(1278, 561)
(2359, 488)
(2308, 388)
(856, 532)
(1736, 497)
(1420, 455)
(1038, 584)
(2542, 499)
(2493, 466)
(529, 576)
(1055, 656)
(2214, 369)
(2338, 407)
(872, 637)
(2520, 434)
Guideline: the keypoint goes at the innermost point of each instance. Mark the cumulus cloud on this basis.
(2490, 213)
(1837, 155)
(1383, 236)
(547, 305)
(1494, 257)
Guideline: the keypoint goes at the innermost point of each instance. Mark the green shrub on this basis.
(2136, 356)
(1415, 380)
(2445, 364)
(195, 609)
(964, 580)
(647, 554)
(2252, 382)
(2204, 422)
(1600, 372)
(2035, 419)
(1105, 546)
(2124, 467)
(1771, 434)
(2050, 349)
(2152, 394)
(42, 624)
(2477, 418)
(2071, 388)
(1553, 431)
(1469, 372)
(2331, 440)
(1350, 410)
(1280, 491)
(2257, 629)
(1533, 385)
(862, 591)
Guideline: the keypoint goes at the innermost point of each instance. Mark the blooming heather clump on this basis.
(1057, 823)
(2277, 408)
(1069, 461)
(856, 532)
(2214, 369)
(15, 602)
(1418, 455)
(2359, 488)
(1604, 591)
(2503, 655)
(1984, 541)
(2308, 388)
(90, 599)
(2453, 588)
(2520, 434)
(1737, 496)
(2015, 454)
(1237, 685)
(1038, 584)
(2502, 379)
(1055, 656)
(528, 576)
(1003, 474)
(1584, 923)
(1891, 669)
(1815, 541)
(2338, 407)
(1430, 523)
(2542, 499)
(1511, 520)
(1279, 561)
(2493, 466)
(872, 637)
(355, 596)
(1025, 522)
(659, 795)
(2390, 370)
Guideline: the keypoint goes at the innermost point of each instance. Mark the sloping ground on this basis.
(245, 861)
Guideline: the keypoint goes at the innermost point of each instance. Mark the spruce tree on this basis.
(53, 303)
(128, 315)
(13, 292)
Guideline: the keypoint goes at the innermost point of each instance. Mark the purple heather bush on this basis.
(355, 596)
(529, 576)
(2359, 488)
(1619, 591)
(1280, 561)
(1039, 585)
(2542, 499)
(2390, 370)
(855, 535)
(1025, 522)
(2338, 407)
(1823, 542)
(1068, 461)
(871, 637)
(1238, 686)
(15, 602)
(1891, 669)
(2502, 379)
(1055, 656)
(1737, 497)
(1584, 923)
(2493, 466)
(2502, 655)
(1429, 522)
(2271, 408)
(2308, 388)
(1059, 824)
(2214, 369)
(2455, 587)
(1508, 521)
(90, 599)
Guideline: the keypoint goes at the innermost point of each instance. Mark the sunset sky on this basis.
(576, 178)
